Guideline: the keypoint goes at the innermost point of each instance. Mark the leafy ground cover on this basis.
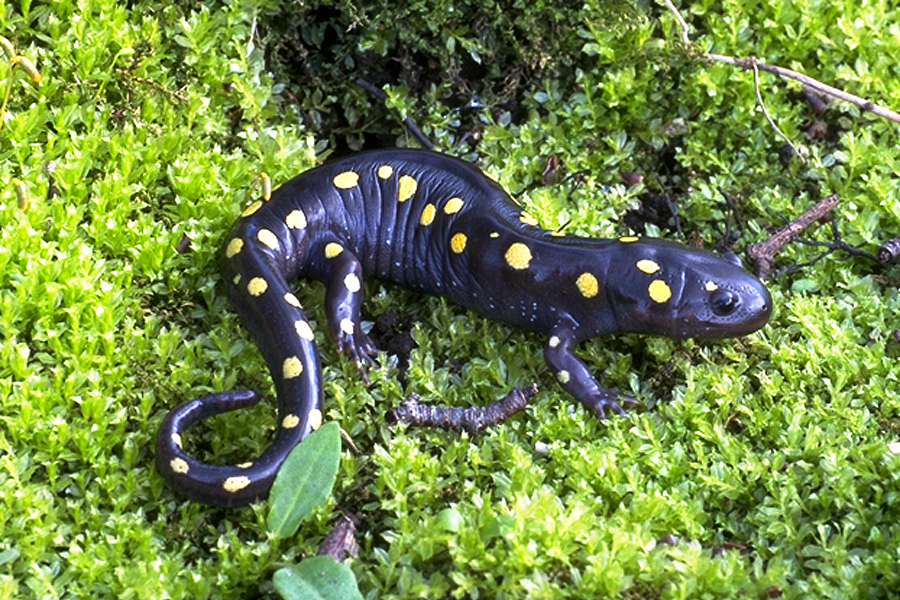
(758, 467)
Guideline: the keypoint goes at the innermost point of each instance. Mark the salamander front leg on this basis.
(343, 299)
(576, 378)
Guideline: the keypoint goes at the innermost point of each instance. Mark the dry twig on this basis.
(754, 65)
(761, 256)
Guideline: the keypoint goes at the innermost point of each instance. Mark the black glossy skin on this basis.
(362, 217)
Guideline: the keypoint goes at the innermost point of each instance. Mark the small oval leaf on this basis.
(317, 578)
(305, 480)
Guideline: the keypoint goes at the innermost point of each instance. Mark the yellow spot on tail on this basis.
(385, 171)
(237, 279)
(292, 367)
(315, 418)
(558, 233)
(518, 256)
(296, 219)
(347, 326)
(427, 215)
(453, 205)
(304, 330)
(292, 300)
(257, 286)
(234, 247)
(268, 238)
(628, 239)
(528, 219)
(176, 439)
(458, 243)
(290, 421)
(346, 180)
(554, 341)
(351, 282)
(659, 291)
(235, 484)
(711, 286)
(494, 235)
(563, 376)
(408, 187)
(179, 465)
(647, 266)
(252, 208)
(245, 465)
(587, 285)
(332, 249)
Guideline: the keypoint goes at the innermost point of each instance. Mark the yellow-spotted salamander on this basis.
(434, 223)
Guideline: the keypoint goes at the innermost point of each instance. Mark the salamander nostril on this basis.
(724, 302)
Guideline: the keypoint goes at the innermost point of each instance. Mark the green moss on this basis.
(764, 457)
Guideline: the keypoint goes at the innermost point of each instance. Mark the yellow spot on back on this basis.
(427, 215)
(267, 186)
(453, 205)
(290, 421)
(346, 180)
(711, 286)
(292, 367)
(628, 239)
(252, 208)
(176, 439)
(296, 219)
(235, 484)
(528, 219)
(518, 256)
(554, 341)
(245, 465)
(458, 243)
(257, 286)
(268, 238)
(292, 300)
(179, 465)
(234, 247)
(351, 282)
(332, 249)
(659, 291)
(237, 279)
(315, 418)
(558, 233)
(494, 235)
(587, 285)
(385, 171)
(563, 376)
(408, 187)
(304, 330)
(647, 266)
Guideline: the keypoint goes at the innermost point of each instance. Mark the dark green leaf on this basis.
(304, 480)
(317, 578)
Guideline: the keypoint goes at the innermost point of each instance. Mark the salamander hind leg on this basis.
(574, 376)
(343, 301)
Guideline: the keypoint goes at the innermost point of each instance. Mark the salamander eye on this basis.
(724, 302)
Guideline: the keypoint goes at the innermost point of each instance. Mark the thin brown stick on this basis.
(823, 88)
(768, 117)
(752, 64)
(685, 34)
(761, 256)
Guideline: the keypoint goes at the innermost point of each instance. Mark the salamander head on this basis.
(670, 290)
